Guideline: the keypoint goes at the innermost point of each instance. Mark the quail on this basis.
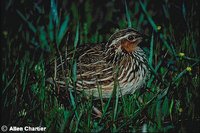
(119, 64)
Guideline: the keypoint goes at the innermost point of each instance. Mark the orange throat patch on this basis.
(129, 46)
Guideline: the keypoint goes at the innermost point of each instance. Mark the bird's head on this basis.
(124, 42)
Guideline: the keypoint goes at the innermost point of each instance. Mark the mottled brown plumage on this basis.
(120, 61)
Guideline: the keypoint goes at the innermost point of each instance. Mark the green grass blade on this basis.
(30, 25)
(43, 39)
(128, 15)
(148, 17)
(151, 50)
(171, 108)
(179, 75)
(166, 44)
(51, 28)
(73, 103)
(105, 108)
(74, 71)
(74, 65)
(63, 30)
(76, 37)
(154, 26)
(165, 106)
(184, 11)
(66, 115)
(163, 93)
(116, 102)
(9, 83)
(54, 12)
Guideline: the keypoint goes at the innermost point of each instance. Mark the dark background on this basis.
(24, 58)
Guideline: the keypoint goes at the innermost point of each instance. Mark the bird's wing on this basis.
(93, 70)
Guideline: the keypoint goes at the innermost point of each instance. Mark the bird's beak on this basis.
(137, 40)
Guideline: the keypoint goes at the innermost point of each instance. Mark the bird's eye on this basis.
(131, 37)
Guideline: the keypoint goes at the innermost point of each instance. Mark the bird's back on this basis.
(101, 68)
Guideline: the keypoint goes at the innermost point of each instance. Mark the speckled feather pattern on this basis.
(101, 66)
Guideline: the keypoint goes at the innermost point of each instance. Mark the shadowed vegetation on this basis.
(34, 33)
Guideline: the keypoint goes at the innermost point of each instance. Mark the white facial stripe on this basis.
(120, 38)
